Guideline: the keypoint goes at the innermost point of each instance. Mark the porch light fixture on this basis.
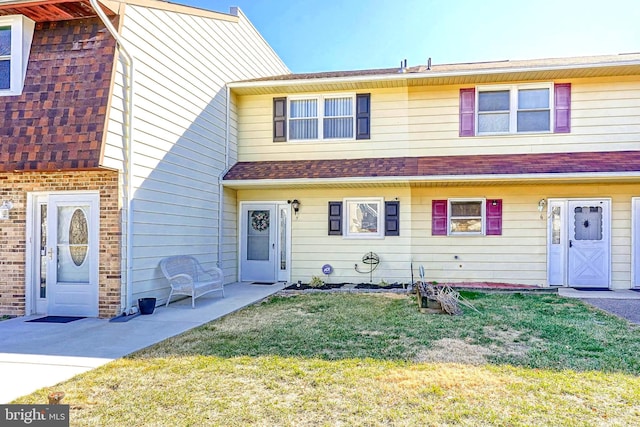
(295, 204)
(4, 210)
(541, 204)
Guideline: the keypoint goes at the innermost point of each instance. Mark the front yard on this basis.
(373, 359)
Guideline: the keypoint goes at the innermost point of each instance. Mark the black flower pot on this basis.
(146, 305)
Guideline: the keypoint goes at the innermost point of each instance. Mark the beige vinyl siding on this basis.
(312, 247)
(519, 255)
(182, 65)
(424, 121)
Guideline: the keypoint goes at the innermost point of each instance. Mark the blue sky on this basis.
(323, 35)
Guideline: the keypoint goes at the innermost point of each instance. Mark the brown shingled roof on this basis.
(59, 120)
(509, 164)
(462, 67)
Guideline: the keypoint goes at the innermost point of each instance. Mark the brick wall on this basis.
(14, 187)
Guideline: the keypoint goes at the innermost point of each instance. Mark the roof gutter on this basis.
(430, 178)
(424, 75)
(127, 185)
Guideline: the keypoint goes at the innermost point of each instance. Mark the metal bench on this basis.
(187, 277)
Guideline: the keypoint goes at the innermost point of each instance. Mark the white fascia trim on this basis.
(439, 178)
(423, 75)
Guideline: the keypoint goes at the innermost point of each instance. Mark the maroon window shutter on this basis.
(467, 112)
(279, 119)
(363, 116)
(335, 218)
(439, 217)
(562, 95)
(494, 217)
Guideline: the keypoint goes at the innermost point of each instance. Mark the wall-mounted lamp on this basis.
(541, 204)
(295, 204)
(4, 210)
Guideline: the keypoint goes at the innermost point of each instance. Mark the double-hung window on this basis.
(16, 34)
(322, 117)
(340, 117)
(514, 109)
(466, 216)
(363, 218)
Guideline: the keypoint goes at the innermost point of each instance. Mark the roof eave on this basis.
(409, 180)
(426, 75)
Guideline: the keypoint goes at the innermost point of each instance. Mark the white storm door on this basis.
(72, 255)
(589, 243)
(557, 242)
(259, 225)
(635, 249)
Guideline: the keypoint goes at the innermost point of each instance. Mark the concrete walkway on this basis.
(622, 303)
(36, 355)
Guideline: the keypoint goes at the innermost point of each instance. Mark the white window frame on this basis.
(513, 106)
(348, 201)
(483, 215)
(320, 100)
(21, 37)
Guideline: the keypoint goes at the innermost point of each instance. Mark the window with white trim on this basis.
(514, 109)
(16, 34)
(364, 218)
(466, 216)
(322, 117)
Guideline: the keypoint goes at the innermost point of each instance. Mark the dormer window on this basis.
(16, 34)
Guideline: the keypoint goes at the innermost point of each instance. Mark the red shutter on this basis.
(439, 217)
(494, 217)
(562, 95)
(467, 112)
(279, 119)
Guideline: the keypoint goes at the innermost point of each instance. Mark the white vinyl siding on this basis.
(183, 63)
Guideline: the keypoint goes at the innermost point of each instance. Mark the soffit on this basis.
(52, 10)
(484, 182)
(427, 78)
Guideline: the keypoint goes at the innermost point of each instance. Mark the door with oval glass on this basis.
(71, 255)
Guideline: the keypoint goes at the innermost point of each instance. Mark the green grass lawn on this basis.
(374, 360)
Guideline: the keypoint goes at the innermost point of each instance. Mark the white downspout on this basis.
(224, 171)
(127, 186)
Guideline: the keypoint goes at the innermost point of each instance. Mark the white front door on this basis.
(589, 251)
(70, 254)
(264, 242)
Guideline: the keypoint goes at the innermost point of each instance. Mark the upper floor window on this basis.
(331, 117)
(321, 117)
(16, 34)
(513, 109)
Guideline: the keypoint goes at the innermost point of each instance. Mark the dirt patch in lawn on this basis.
(507, 342)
